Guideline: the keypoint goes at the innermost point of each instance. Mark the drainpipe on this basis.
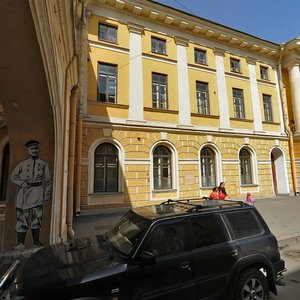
(82, 81)
(286, 124)
(70, 188)
(78, 161)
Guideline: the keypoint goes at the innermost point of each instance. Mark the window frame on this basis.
(206, 166)
(235, 65)
(234, 228)
(245, 166)
(106, 155)
(109, 77)
(238, 103)
(108, 27)
(214, 219)
(158, 102)
(268, 111)
(203, 105)
(158, 182)
(186, 238)
(264, 73)
(158, 45)
(200, 59)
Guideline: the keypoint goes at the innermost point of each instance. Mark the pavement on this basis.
(281, 213)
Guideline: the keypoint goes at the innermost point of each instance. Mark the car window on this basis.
(243, 223)
(126, 235)
(166, 239)
(209, 230)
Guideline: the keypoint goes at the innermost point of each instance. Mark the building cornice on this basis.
(193, 24)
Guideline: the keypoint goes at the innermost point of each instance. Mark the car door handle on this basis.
(185, 266)
(234, 253)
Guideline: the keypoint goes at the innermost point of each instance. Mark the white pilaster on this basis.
(256, 107)
(222, 90)
(281, 120)
(295, 89)
(136, 91)
(184, 105)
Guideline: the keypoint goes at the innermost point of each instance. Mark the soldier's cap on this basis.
(31, 143)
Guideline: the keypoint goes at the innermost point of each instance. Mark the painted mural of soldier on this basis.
(34, 186)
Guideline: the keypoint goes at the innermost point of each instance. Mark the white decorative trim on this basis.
(256, 110)
(136, 95)
(222, 92)
(164, 135)
(113, 49)
(137, 161)
(254, 169)
(279, 102)
(106, 132)
(218, 162)
(91, 157)
(175, 173)
(183, 86)
(169, 126)
(160, 60)
(188, 162)
(281, 168)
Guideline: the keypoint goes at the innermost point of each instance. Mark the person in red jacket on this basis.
(214, 193)
(222, 192)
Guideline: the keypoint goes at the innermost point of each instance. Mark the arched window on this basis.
(162, 168)
(208, 167)
(106, 168)
(245, 167)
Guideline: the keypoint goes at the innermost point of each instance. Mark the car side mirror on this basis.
(148, 258)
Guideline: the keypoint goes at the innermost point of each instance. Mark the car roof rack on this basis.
(206, 203)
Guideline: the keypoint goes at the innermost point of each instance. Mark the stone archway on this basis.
(279, 172)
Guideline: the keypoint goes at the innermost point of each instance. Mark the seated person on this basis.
(222, 191)
(214, 193)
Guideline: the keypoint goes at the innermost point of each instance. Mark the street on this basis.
(291, 291)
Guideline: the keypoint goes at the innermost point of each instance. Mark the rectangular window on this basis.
(209, 230)
(264, 73)
(167, 239)
(238, 103)
(268, 108)
(202, 97)
(107, 33)
(235, 65)
(107, 83)
(244, 224)
(158, 45)
(200, 56)
(159, 91)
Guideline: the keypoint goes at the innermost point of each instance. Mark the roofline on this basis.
(213, 22)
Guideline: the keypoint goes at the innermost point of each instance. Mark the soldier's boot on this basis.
(20, 240)
(36, 237)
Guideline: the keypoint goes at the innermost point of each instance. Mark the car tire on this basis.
(251, 284)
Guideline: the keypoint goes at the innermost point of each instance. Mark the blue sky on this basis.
(272, 20)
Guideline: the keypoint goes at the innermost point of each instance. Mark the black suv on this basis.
(205, 249)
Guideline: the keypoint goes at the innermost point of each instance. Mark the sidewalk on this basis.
(281, 213)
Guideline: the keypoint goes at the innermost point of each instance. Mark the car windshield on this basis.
(128, 232)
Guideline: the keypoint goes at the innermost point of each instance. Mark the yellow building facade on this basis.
(176, 104)
(133, 102)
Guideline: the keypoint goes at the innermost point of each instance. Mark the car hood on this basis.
(62, 265)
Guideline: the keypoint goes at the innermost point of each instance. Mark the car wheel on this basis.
(252, 285)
